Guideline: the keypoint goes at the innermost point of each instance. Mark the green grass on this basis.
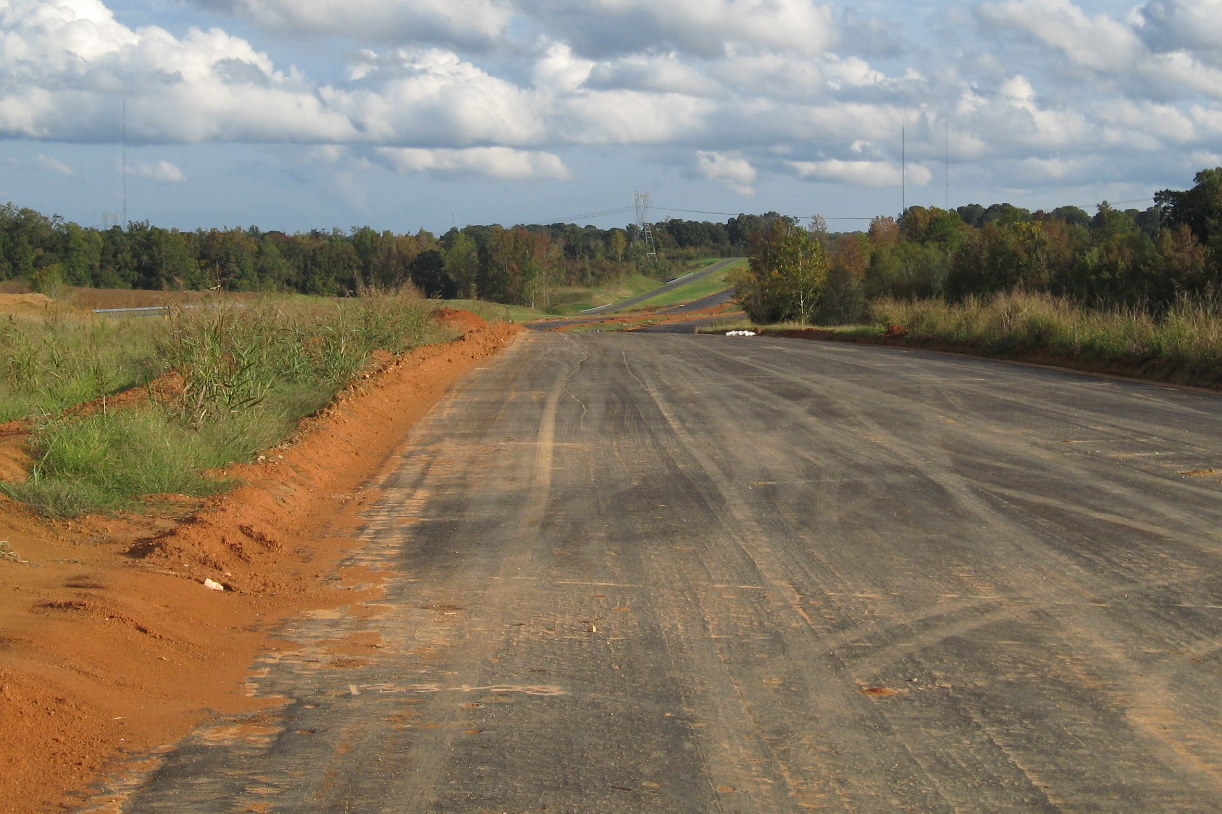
(493, 311)
(108, 461)
(49, 364)
(251, 372)
(693, 291)
(569, 300)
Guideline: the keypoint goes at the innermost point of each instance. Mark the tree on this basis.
(932, 226)
(785, 274)
(162, 259)
(428, 273)
(1073, 215)
(462, 264)
(1185, 265)
(82, 253)
(1199, 208)
(1110, 221)
(843, 299)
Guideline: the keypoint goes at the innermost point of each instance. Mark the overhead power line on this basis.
(736, 214)
(601, 213)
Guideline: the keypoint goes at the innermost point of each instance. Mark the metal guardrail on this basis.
(144, 311)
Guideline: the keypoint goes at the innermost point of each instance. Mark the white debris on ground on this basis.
(740, 333)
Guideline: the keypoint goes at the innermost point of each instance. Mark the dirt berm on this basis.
(110, 643)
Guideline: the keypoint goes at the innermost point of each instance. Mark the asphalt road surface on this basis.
(672, 573)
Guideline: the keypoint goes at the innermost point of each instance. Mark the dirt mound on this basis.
(25, 305)
(110, 641)
(459, 319)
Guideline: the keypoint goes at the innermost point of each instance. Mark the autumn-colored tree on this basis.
(843, 298)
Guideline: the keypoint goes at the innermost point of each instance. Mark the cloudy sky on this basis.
(300, 114)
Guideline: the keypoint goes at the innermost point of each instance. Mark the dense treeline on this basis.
(520, 265)
(1138, 259)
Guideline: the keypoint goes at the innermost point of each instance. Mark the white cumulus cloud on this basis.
(432, 97)
(862, 173)
(707, 27)
(631, 117)
(465, 22)
(736, 173)
(492, 162)
(69, 66)
(1193, 26)
(1099, 42)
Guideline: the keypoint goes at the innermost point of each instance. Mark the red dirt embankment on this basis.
(110, 644)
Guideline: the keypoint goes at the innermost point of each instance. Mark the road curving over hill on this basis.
(678, 282)
(697, 573)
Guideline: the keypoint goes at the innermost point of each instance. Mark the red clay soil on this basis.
(111, 645)
(461, 320)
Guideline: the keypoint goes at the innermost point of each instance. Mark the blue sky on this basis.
(300, 114)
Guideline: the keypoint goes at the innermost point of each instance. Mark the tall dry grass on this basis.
(1185, 343)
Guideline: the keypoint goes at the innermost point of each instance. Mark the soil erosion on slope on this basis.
(110, 643)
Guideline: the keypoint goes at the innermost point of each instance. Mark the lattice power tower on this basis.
(643, 203)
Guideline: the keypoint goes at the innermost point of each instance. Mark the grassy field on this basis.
(248, 371)
(693, 291)
(493, 311)
(574, 299)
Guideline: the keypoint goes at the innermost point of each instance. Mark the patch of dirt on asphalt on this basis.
(110, 643)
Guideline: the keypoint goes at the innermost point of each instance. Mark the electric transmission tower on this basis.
(643, 203)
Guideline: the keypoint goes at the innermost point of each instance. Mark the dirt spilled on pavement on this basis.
(111, 645)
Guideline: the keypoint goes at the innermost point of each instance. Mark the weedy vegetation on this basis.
(50, 364)
(1183, 343)
(248, 373)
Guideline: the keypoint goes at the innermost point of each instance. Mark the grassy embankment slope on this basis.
(213, 385)
(698, 289)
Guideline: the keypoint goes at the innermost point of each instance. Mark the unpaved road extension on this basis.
(632, 573)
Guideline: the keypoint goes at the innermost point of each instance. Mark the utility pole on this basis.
(947, 171)
(124, 162)
(903, 169)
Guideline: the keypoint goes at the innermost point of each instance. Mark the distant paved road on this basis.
(704, 574)
(671, 286)
(709, 301)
